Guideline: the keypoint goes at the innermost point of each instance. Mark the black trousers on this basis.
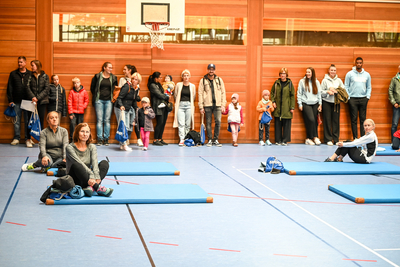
(42, 114)
(137, 131)
(81, 177)
(331, 121)
(353, 152)
(263, 128)
(395, 143)
(161, 121)
(310, 113)
(78, 118)
(283, 128)
(358, 107)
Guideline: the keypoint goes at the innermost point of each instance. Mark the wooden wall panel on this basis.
(15, 4)
(17, 15)
(17, 32)
(377, 11)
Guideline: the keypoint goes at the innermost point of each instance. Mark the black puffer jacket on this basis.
(39, 88)
(57, 100)
(16, 87)
(157, 96)
(127, 98)
(95, 86)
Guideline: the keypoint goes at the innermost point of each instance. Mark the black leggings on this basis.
(353, 152)
(81, 177)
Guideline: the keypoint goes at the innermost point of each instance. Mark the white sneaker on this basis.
(181, 143)
(262, 143)
(29, 143)
(162, 105)
(15, 142)
(27, 167)
(268, 143)
(127, 148)
(144, 148)
(317, 141)
(210, 143)
(309, 142)
(139, 142)
(216, 143)
(330, 143)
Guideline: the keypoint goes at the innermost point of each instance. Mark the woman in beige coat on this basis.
(185, 94)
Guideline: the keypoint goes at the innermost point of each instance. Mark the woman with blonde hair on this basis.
(185, 94)
(282, 97)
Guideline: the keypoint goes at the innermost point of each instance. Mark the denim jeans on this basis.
(217, 119)
(17, 124)
(129, 119)
(103, 114)
(395, 120)
(184, 119)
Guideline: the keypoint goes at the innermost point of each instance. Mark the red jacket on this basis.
(77, 101)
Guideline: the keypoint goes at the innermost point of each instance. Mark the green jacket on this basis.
(284, 99)
(394, 90)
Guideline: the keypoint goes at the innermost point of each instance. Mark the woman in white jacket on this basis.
(309, 100)
(331, 114)
(185, 94)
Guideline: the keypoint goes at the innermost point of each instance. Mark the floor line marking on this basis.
(21, 224)
(306, 201)
(359, 260)
(119, 181)
(159, 243)
(298, 256)
(386, 249)
(112, 237)
(58, 230)
(12, 194)
(281, 212)
(229, 250)
(327, 224)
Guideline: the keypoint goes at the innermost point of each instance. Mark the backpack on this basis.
(272, 165)
(189, 142)
(266, 117)
(195, 136)
(63, 184)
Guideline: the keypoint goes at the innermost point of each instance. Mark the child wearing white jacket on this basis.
(235, 118)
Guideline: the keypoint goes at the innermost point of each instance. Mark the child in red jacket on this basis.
(264, 105)
(78, 100)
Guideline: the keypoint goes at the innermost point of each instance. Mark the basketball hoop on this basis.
(157, 33)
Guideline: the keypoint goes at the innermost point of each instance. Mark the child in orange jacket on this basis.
(264, 105)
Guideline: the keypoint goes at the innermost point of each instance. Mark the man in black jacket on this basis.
(17, 83)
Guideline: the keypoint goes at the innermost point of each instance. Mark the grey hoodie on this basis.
(328, 82)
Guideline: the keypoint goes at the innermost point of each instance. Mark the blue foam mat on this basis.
(136, 169)
(388, 152)
(339, 168)
(145, 194)
(368, 193)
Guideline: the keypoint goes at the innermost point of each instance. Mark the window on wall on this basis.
(318, 32)
(111, 28)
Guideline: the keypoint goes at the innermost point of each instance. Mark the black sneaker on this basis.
(106, 142)
(157, 143)
(99, 142)
(328, 160)
(163, 142)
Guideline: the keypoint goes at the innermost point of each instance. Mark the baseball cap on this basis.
(211, 66)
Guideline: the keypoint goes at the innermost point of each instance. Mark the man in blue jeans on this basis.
(212, 100)
(358, 86)
(17, 82)
(394, 98)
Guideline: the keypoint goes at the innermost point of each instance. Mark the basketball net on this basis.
(157, 32)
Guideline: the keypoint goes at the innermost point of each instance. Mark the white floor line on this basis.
(327, 224)
(386, 249)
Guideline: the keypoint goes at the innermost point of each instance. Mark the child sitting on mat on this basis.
(265, 105)
(235, 118)
(143, 121)
(396, 141)
(360, 150)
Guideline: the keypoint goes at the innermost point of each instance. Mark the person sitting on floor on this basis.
(396, 141)
(360, 150)
(82, 164)
(53, 141)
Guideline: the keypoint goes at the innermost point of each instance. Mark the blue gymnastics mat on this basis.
(135, 169)
(144, 194)
(368, 193)
(339, 168)
(389, 151)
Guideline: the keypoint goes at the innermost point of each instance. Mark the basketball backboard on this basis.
(140, 11)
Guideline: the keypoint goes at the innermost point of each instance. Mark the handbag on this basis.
(122, 133)
(266, 118)
(34, 125)
(10, 113)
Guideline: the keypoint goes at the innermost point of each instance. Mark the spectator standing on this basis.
(57, 97)
(394, 98)
(78, 101)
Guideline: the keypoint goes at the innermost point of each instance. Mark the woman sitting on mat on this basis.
(396, 141)
(367, 144)
(82, 164)
(53, 141)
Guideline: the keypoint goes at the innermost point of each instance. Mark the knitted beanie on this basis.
(145, 99)
(265, 92)
(235, 96)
